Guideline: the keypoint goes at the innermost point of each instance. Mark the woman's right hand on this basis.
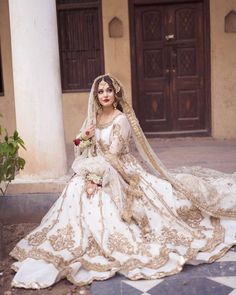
(89, 133)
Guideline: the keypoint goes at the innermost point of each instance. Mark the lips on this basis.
(106, 100)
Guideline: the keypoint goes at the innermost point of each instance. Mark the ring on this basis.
(90, 191)
(87, 132)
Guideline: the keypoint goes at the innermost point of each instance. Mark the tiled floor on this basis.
(218, 278)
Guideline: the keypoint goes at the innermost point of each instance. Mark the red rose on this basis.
(76, 141)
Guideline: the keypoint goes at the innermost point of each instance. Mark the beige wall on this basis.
(74, 111)
(7, 105)
(223, 71)
(117, 63)
(117, 50)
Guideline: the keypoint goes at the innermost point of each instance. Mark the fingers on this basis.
(90, 131)
(92, 128)
(91, 189)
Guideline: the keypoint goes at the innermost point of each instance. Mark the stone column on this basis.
(37, 86)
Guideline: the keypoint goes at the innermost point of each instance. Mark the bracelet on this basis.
(83, 143)
(94, 178)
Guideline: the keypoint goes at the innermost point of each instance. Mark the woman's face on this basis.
(106, 95)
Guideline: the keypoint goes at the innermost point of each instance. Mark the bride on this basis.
(115, 216)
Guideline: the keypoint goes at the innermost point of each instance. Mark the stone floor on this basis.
(218, 278)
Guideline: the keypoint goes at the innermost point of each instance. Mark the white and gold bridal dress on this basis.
(136, 224)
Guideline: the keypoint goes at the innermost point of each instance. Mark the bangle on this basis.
(79, 141)
(94, 178)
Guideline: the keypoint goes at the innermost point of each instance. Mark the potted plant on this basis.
(10, 162)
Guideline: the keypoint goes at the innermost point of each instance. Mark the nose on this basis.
(105, 93)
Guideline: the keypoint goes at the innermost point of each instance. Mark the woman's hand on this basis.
(89, 133)
(91, 189)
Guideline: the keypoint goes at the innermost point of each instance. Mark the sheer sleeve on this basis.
(121, 135)
(120, 140)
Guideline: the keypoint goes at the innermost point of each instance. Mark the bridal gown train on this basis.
(85, 239)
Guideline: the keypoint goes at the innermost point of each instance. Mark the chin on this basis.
(107, 105)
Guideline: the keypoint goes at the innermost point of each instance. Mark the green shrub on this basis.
(10, 162)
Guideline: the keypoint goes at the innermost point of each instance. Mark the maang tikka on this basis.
(115, 85)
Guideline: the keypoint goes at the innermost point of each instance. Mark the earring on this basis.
(114, 105)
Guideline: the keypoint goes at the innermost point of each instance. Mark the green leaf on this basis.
(21, 163)
(10, 162)
(15, 135)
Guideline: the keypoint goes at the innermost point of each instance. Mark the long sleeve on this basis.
(119, 145)
(121, 134)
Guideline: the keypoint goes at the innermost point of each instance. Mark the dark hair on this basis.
(118, 95)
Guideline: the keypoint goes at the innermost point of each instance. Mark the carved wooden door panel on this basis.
(169, 51)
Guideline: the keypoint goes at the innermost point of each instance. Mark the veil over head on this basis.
(147, 154)
(141, 143)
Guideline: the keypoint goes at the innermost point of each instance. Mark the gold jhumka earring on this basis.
(114, 105)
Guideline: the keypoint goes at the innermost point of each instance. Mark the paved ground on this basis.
(205, 152)
(218, 278)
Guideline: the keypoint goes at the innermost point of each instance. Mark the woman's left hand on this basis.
(91, 189)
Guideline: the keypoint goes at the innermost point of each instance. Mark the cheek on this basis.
(99, 98)
(112, 96)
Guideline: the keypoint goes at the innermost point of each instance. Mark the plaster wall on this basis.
(7, 102)
(74, 112)
(223, 71)
(117, 50)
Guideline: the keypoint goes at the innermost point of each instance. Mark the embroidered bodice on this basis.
(114, 137)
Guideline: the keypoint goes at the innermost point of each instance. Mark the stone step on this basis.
(25, 208)
(32, 186)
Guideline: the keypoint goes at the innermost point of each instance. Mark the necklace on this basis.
(108, 118)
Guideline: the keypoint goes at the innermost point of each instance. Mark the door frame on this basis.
(207, 61)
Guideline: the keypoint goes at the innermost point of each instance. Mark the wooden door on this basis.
(170, 69)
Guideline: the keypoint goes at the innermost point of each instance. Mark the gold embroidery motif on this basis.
(22, 254)
(218, 235)
(191, 215)
(63, 239)
(171, 236)
(78, 251)
(118, 242)
(105, 125)
(93, 248)
(39, 237)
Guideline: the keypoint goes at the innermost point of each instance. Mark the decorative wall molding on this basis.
(115, 28)
(230, 22)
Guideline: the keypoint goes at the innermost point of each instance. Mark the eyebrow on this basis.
(109, 87)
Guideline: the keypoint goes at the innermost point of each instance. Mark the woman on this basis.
(115, 216)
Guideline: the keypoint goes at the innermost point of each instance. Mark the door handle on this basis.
(169, 37)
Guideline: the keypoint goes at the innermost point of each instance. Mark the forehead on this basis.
(103, 85)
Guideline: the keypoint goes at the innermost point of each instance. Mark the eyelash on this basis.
(109, 90)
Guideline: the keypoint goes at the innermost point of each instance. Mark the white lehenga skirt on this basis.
(84, 239)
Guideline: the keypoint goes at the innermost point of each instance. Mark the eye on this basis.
(110, 89)
(100, 91)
